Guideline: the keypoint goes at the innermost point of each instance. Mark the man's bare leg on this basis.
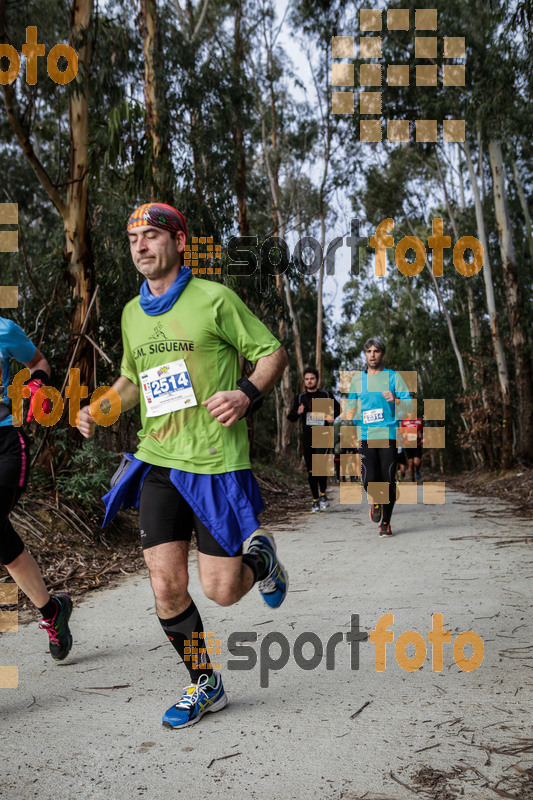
(224, 580)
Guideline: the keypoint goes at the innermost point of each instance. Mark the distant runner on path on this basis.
(412, 430)
(14, 471)
(302, 409)
(376, 401)
(182, 338)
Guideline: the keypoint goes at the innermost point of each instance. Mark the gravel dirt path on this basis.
(91, 726)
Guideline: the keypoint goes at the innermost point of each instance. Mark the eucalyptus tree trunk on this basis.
(525, 209)
(72, 206)
(449, 324)
(451, 334)
(191, 22)
(499, 355)
(320, 297)
(475, 334)
(149, 33)
(326, 156)
(284, 430)
(297, 342)
(238, 135)
(475, 338)
(76, 218)
(453, 340)
(161, 174)
(515, 304)
(272, 164)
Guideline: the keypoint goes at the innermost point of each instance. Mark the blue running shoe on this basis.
(195, 701)
(274, 587)
(58, 629)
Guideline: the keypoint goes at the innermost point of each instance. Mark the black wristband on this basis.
(253, 393)
(249, 389)
(40, 375)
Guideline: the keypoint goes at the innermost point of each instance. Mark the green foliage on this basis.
(210, 91)
(85, 479)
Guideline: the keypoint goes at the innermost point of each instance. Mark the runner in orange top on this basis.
(412, 433)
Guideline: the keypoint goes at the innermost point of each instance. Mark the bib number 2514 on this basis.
(170, 384)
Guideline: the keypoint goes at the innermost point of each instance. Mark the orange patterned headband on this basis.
(158, 215)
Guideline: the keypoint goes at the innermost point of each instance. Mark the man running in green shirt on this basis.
(182, 338)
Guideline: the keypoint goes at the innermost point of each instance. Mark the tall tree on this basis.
(71, 203)
(497, 345)
(157, 132)
(515, 305)
(238, 132)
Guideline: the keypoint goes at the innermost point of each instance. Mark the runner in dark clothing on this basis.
(14, 469)
(302, 409)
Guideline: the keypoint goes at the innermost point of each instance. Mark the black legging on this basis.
(379, 464)
(14, 463)
(316, 482)
(11, 545)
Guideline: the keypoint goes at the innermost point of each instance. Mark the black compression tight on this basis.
(316, 482)
(11, 545)
(378, 464)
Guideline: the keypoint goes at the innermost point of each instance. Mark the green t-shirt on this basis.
(208, 326)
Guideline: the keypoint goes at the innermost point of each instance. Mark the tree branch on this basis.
(181, 15)
(29, 152)
(200, 20)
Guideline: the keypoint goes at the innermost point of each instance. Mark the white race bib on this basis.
(374, 415)
(315, 418)
(167, 388)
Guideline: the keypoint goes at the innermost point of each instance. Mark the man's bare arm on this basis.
(129, 394)
(128, 391)
(228, 407)
(269, 370)
(38, 362)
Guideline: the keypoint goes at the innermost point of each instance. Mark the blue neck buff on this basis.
(153, 305)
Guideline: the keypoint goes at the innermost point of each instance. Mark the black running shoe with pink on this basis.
(58, 629)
